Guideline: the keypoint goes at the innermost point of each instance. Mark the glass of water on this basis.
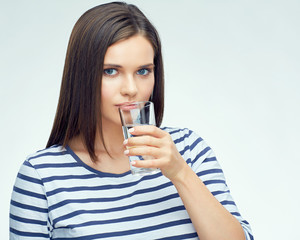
(136, 114)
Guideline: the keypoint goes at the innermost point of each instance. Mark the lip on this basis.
(124, 103)
(127, 105)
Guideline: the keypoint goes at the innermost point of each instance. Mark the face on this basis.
(128, 76)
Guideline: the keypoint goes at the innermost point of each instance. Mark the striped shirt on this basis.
(57, 196)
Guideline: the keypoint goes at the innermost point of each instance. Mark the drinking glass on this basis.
(136, 114)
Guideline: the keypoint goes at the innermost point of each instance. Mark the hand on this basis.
(152, 141)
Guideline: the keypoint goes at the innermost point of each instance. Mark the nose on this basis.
(129, 87)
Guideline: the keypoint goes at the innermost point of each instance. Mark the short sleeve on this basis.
(205, 164)
(28, 207)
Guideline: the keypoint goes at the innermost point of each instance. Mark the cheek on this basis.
(106, 96)
(107, 91)
(148, 89)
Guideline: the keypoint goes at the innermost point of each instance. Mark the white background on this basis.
(232, 75)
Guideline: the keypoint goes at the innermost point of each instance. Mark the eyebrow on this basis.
(147, 65)
(119, 66)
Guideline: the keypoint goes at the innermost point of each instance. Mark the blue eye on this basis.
(143, 71)
(110, 71)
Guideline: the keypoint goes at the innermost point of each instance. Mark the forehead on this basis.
(132, 50)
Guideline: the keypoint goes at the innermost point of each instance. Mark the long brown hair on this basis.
(79, 106)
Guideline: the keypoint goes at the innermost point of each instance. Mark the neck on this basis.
(113, 139)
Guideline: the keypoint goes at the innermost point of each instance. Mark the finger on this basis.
(142, 151)
(151, 163)
(147, 130)
(145, 140)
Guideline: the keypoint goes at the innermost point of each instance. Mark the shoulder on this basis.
(182, 134)
(55, 160)
(177, 132)
(190, 144)
(53, 154)
(185, 138)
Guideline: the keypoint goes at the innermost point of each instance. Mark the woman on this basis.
(80, 186)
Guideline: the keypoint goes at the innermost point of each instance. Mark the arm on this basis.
(28, 207)
(210, 219)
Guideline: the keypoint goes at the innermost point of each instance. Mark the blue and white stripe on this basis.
(57, 196)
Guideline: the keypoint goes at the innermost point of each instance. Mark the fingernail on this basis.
(133, 163)
(126, 151)
(125, 142)
(131, 130)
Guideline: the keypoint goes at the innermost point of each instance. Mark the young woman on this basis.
(81, 187)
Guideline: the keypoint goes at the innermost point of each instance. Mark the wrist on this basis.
(182, 175)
